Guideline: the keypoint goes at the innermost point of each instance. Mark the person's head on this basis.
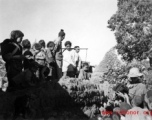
(77, 49)
(61, 34)
(37, 46)
(68, 45)
(85, 66)
(42, 42)
(16, 36)
(26, 44)
(135, 75)
(50, 45)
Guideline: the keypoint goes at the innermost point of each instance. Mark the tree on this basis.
(110, 61)
(132, 25)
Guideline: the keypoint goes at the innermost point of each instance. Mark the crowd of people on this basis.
(46, 62)
(28, 65)
(130, 99)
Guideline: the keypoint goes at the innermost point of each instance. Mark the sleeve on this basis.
(144, 89)
(73, 58)
(56, 46)
(79, 64)
(47, 58)
(8, 52)
(131, 93)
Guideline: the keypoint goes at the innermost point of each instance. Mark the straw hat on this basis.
(134, 72)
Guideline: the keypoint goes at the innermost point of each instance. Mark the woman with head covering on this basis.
(58, 52)
(12, 55)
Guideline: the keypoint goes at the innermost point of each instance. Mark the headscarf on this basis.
(16, 34)
(62, 33)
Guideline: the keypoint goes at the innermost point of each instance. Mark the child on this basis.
(42, 43)
(27, 53)
(50, 58)
(39, 55)
(28, 77)
(84, 74)
(40, 58)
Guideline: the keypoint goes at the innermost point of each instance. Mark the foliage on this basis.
(132, 25)
(110, 61)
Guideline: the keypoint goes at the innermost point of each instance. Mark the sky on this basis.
(84, 22)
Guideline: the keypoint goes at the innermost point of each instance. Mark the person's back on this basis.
(137, 112)
(138, 89)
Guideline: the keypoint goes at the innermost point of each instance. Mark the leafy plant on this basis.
(132, 26)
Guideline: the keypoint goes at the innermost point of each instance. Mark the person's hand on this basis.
(120, 94)
(126, 95)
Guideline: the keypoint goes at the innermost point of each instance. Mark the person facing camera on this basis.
(84, 72)
(68, 64)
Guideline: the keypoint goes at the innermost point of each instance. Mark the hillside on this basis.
(110, 60)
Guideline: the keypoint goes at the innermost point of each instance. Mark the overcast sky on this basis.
(84, 22)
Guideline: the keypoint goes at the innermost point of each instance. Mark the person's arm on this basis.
(9, 56)
(47, 58)
(56, 46)
(73, 62)
(79, 64)
(127, 98)
(22, 57)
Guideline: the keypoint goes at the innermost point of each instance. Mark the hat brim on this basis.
(135, 75)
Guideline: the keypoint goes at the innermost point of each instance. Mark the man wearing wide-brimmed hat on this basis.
(136, 77)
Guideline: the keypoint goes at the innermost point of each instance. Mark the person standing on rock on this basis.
(58, 52)
(77, 59)
(12, 54)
